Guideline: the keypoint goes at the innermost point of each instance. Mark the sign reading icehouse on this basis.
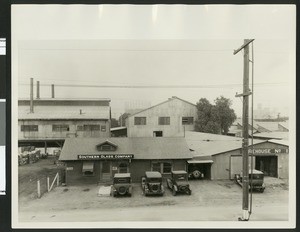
(103, 156)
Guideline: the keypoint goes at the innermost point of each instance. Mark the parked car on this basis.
(121, 185)
(178, 183)
(257, 178)
(152, 184)
(194, 172)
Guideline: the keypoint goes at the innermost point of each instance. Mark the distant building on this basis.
(166, 119)
(57, 119)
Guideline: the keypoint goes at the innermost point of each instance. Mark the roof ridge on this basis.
(169, 99)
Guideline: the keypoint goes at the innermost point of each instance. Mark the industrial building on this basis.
(167, 119)
(96, 160)
(220, 157)
(47, 122)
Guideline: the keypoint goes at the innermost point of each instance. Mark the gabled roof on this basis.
(107, 142)
(170, 99)
(141, 148)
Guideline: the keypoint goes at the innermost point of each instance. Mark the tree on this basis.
(216, 118)
(122, 119)
(226, 115)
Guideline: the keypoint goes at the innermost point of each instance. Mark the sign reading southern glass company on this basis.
(99, 157)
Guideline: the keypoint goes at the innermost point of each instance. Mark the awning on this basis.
(200, 161)
(88, 167)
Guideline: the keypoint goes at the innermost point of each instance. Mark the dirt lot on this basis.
(30, 173)
(218, 196)
(210, 200)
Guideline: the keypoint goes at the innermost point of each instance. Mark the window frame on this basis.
(164, 121)
(29, 128)
(143, 121)
(188, 122)
(84, 172)
(60, 127)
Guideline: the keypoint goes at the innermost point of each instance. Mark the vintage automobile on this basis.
(257, 179)
(121, 185)
(152, 184)
(194, 172)
(178, 183)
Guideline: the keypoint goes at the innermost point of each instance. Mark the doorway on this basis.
(105, 173)
(267, 164)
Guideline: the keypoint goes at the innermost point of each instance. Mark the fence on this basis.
(47, 183)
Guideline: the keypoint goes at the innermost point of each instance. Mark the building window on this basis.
(187, 120)
(156, 167)
(157, 134)
(103, 128)
(123, 168)
(162, 167)
(29, 128)
(60, 128)
(139, 120)
(88, 127)
(164, 121)
(167, 167)
(88, 168)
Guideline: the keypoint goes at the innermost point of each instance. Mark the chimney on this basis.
(37, 90)
(31, 95)
(52, 90)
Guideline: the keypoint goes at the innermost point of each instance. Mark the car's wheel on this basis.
(262, 190)
(122, 190)
(196, 174)
(173, 192)
(189, 192)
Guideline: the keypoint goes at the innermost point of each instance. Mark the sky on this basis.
(183, 51)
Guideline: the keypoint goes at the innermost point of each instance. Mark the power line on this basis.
(156, 86)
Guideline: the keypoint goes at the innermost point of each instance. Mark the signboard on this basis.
(69, 168)
(268, 151)
(99, 157)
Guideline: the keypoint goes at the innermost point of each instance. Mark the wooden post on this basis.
(38, 188)
(48, 183)
(57, 181)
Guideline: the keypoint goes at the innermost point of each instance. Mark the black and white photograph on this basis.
(153, 116)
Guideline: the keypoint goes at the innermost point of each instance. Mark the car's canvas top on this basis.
(122, 175)
(179, 172)
(153, 175)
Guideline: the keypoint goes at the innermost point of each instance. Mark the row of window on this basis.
(163, 120)
(64, 127)
(162, 167)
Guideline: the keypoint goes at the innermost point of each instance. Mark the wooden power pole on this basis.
(245, 95)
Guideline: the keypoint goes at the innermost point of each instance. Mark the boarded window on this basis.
(187, 120)
(164, 121)
(29, 128)
(88, 168)
(139, 120)
(60, 128)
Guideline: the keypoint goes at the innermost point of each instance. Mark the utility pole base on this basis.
(245, 216)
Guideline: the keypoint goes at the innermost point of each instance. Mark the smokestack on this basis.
(52, 90)
(31, 95)
(37, 90)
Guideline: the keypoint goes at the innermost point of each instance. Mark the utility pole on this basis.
(245, 95)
